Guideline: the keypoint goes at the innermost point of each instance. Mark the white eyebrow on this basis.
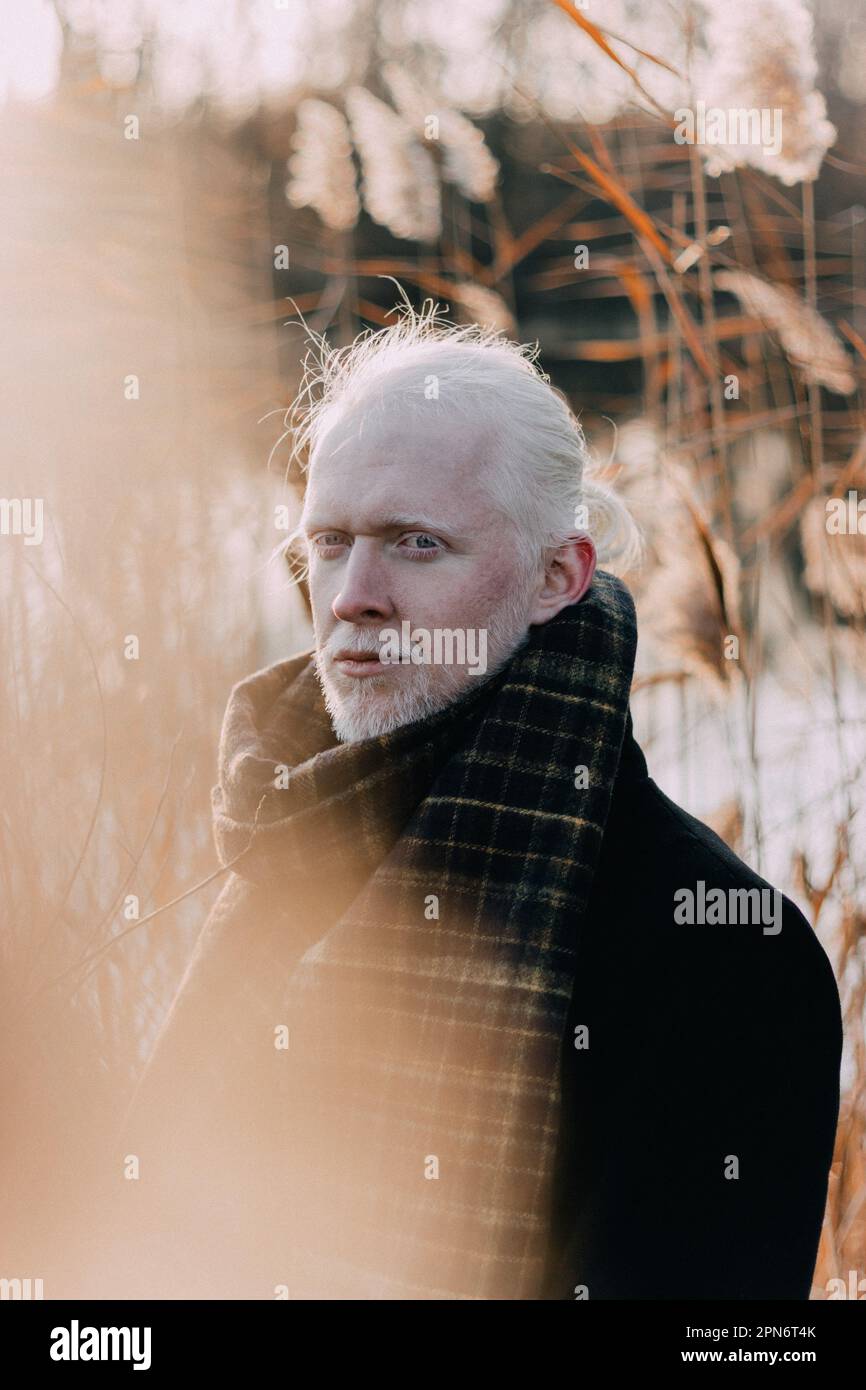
(418, 523)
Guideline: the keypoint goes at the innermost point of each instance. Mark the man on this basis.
(479, 1013)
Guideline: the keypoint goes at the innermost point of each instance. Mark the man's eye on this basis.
(327, 540)
(427, 544)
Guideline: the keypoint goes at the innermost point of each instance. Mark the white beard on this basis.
(368, 712)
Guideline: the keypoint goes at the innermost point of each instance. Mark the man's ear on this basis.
(567, 577)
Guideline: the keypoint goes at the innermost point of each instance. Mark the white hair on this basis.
(543, 477)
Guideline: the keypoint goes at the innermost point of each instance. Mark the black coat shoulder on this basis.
(701, 1102)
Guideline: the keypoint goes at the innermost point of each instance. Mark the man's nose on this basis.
(363, 594)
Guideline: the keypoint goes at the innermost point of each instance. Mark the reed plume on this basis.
(807, 339)
(322, 172)
(762, 57)
(400, 186)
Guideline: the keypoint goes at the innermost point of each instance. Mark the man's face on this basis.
(401, 529)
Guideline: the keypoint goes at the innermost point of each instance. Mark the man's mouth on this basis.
(359, 663)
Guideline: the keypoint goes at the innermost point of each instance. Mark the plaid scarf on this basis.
(404, 913)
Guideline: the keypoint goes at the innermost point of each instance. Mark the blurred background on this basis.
(182, 185)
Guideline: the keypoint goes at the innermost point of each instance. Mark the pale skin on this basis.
(399, 525)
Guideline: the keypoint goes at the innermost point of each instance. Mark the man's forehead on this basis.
(387, 475)
(391, 503)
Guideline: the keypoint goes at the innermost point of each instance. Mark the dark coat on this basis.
(704, 1041)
